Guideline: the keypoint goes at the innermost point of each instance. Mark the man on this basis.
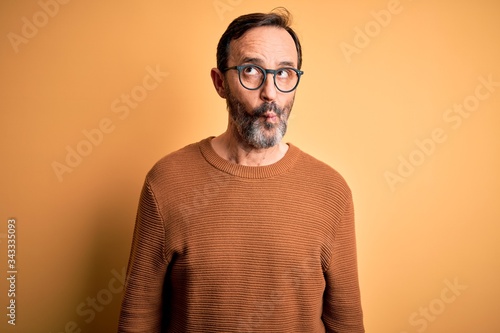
(242, 232)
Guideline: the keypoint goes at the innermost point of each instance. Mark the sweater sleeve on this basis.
(342, 311)
(141, 309)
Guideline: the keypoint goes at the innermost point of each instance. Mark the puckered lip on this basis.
(269, 114)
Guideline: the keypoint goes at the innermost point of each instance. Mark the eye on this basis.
(284, 73)
(251, 70)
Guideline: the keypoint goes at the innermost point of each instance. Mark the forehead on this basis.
(269, 45)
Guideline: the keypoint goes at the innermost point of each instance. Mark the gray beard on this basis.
(250, 127)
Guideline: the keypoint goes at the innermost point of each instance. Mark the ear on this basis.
(218, 81)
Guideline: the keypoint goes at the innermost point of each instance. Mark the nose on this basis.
(268, 91)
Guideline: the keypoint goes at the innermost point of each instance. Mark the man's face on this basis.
(260, 116)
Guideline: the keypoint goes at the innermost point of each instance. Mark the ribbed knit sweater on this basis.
(221, 247)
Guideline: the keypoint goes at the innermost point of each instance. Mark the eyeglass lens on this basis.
(252, 77)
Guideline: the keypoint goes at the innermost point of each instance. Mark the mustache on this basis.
(266, 107)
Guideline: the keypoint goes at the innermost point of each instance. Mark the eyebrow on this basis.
(258, 61)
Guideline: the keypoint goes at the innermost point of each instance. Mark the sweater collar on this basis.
(250, 172)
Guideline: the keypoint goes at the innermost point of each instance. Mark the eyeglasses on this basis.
(252, 77)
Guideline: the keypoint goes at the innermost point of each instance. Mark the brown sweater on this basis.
(220, 247)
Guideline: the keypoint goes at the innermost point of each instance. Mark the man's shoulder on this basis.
(176, 162)
(318, 165)
(182, 155)
(315, 168)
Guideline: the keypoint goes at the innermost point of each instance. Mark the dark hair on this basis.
(279, 17)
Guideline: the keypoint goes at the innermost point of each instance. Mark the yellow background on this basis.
(361, 112)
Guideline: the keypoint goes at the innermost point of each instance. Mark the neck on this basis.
(232, 148)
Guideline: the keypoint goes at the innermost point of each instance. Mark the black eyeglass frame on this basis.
(267, 71)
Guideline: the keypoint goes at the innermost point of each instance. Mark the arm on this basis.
(142, 303)
(342, 311)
